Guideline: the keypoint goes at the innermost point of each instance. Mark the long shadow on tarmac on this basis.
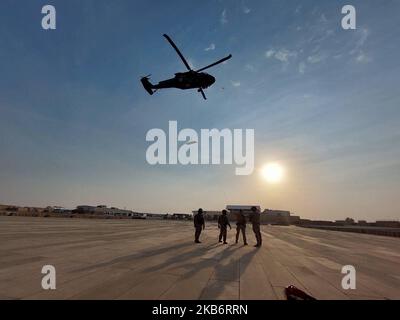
(220, 271)
(224, 274)
(132, 257)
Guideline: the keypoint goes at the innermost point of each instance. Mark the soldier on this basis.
(223, 224)
(241, 226)
(199, 225)
(255, 220)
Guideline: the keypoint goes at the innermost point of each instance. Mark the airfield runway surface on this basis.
(152, 259)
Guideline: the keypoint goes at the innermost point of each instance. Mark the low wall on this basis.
(388, 232)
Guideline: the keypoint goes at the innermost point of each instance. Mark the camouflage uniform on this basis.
(255, 220)
(199, 224)
(241, 227)
(223, 224)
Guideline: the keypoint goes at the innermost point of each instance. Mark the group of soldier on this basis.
(223, 224)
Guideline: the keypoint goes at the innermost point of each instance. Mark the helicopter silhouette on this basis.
(191, 79)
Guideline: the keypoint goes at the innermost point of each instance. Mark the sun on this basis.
(273, 172)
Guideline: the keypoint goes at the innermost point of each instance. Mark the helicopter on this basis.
(191, 79)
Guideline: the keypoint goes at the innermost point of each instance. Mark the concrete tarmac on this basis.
(154, 259)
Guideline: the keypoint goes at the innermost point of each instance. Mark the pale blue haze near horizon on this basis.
(324, 102)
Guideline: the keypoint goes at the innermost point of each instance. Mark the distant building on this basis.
(210, 215)
(347, 222)
(295, 220)
(235, 209)
(103, 210)
(276, 213)
(84, 209)
(268, 216)
(12, 208)
(155, 215)
(388, 224)
(307, 222)
(279, 217)
(62, 210)
(363, 223)
(116, 212)
(181, 216)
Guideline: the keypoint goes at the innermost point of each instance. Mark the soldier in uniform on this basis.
(241, 227)
(199, 225)
(255, 220)
(223, 224)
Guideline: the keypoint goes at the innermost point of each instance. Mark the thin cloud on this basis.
(330, 33)
(246, 10)
(316, 58)
(269, 53)
(224, 18)
(285, 55)
(211, 47)
(249, 67)
(363, 58)
(302, 68)
(363, 35)
(236, 84)
(323, 18)
(191, 63)
(281, 55)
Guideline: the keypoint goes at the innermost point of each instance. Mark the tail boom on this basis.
(147, 85)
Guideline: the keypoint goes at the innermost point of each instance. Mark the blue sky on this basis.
(323, 101)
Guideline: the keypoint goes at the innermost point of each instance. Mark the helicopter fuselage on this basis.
(191, 79)
(187, 80)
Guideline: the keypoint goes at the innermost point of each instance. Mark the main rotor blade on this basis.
(177, 51)
(215, 63)
(203, 94)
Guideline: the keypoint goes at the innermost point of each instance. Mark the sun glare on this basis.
(273, 172)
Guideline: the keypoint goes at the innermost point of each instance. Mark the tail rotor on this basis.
(147, 84)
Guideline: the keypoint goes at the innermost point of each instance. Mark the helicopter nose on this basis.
(211, 79)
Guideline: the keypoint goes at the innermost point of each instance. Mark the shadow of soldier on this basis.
(207, 275)
(133, 258)
(225, 280)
